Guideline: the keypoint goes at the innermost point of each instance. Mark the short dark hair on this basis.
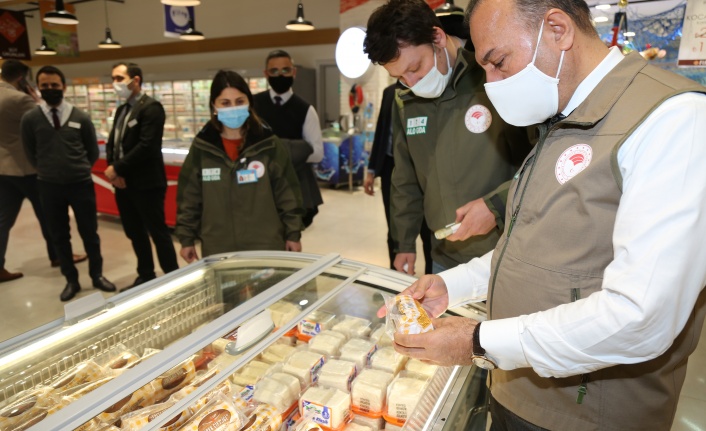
(225, 79)
(398, 24)
(532, 12)
(278, 53)
(52, 70)
(133, 69)
(13, 69)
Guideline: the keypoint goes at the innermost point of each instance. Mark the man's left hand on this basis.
(450, 343)
(293, 246)
(118, 182)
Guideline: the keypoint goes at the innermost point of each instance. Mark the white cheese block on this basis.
(326, 406)
(337, 374)
(387, 359)
(392, 427)
(290, 381)
(380, 337)
(403, 394)
(304, 365)
(357, 427)
(283, 312)
(375, 424)
(316, 322)
(358, 351)
(353, 326)
(251, 373)
(275, 393)
(419, 367)
(277, 353)
(328, 343)
(369, 390)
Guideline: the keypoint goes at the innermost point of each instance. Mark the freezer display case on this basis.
(244, 341)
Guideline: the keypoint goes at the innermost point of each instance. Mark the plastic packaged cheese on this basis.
(314, 323)
(304, 365)
(387, 359)
(403, 394)
(359, 351)
(328, 407)
(328, 342)
(353, 326)
(337, 374)
(406, 316)
(369, 392)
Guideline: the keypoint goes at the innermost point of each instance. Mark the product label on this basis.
(247, 392)
(315, 370)
(309, 327)
(211, 174)
(171, 381)
(215, 421)
(370, 354)
(317, 413)
(416, 126)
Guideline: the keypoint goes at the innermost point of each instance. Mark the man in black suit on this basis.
(380, 165)
(136, 169)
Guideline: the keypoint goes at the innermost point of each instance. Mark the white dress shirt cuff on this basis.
(503, 336)
(468, 282)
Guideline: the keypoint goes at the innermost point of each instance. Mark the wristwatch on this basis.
(479, 358)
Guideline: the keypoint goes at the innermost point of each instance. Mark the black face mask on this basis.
(281, 84)
(52, 97)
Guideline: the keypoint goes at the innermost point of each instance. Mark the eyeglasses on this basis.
(283, 71)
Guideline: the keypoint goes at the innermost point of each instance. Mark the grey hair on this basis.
(532, 12)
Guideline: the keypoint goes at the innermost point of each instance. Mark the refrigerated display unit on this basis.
(210, 322)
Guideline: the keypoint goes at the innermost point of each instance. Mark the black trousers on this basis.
(425, 233)
(13, 191)
(505, 420)
(142, 215)
(81, 198)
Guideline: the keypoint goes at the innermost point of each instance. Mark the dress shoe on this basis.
(71, 289)
(77, 258)
(103, 284)
(138, 281)
(6, 275)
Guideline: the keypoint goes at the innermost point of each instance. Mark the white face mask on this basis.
(529, 96)
(121, 89)
(433, 83)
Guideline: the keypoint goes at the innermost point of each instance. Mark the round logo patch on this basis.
(572, 161)
(258, 167)
(478, 119)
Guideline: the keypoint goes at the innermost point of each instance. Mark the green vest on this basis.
(559, 245)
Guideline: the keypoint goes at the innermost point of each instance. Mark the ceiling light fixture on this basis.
(600, 19)
(448, 8)
(629, 34)
(181, 2)
(191, 33)
(108, 42)
(299, 23)
(44, 49)
(602, 6)
(60, 16)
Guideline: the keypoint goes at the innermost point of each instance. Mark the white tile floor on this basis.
(351, 224)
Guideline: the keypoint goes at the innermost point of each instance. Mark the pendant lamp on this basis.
(299, 23)
(181, 2)
(44, 49)
(60, 16)
(108, 42)
(448, 8)
(191, 33)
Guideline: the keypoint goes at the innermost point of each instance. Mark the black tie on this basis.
(55, 118)
(278, 101)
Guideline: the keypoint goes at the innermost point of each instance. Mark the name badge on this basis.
(74, 125)
(132, 123)
(211, 174)
(246, 176)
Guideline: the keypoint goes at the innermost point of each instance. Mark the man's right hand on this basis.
(189, 254)
(368, 184)
(405, 258)
(430, 290)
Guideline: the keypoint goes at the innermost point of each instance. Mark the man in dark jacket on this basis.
(136, 169)
(380, 165)
(291, 117)
(60, 143)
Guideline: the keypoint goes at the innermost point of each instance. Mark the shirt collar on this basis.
(593, 79)
(59, 109)
(285, 96)
(133, 99)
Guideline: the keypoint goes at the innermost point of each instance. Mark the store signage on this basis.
(176, 19)
(692, 49)
(14, 42)
(60, 37)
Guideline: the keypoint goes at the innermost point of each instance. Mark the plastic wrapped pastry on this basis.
(263, 418)
(218, 415)
(406, 316)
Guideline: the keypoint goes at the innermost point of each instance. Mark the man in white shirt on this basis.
(291, 117)
(595, 291)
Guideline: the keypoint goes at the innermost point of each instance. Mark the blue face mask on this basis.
(233, 117)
